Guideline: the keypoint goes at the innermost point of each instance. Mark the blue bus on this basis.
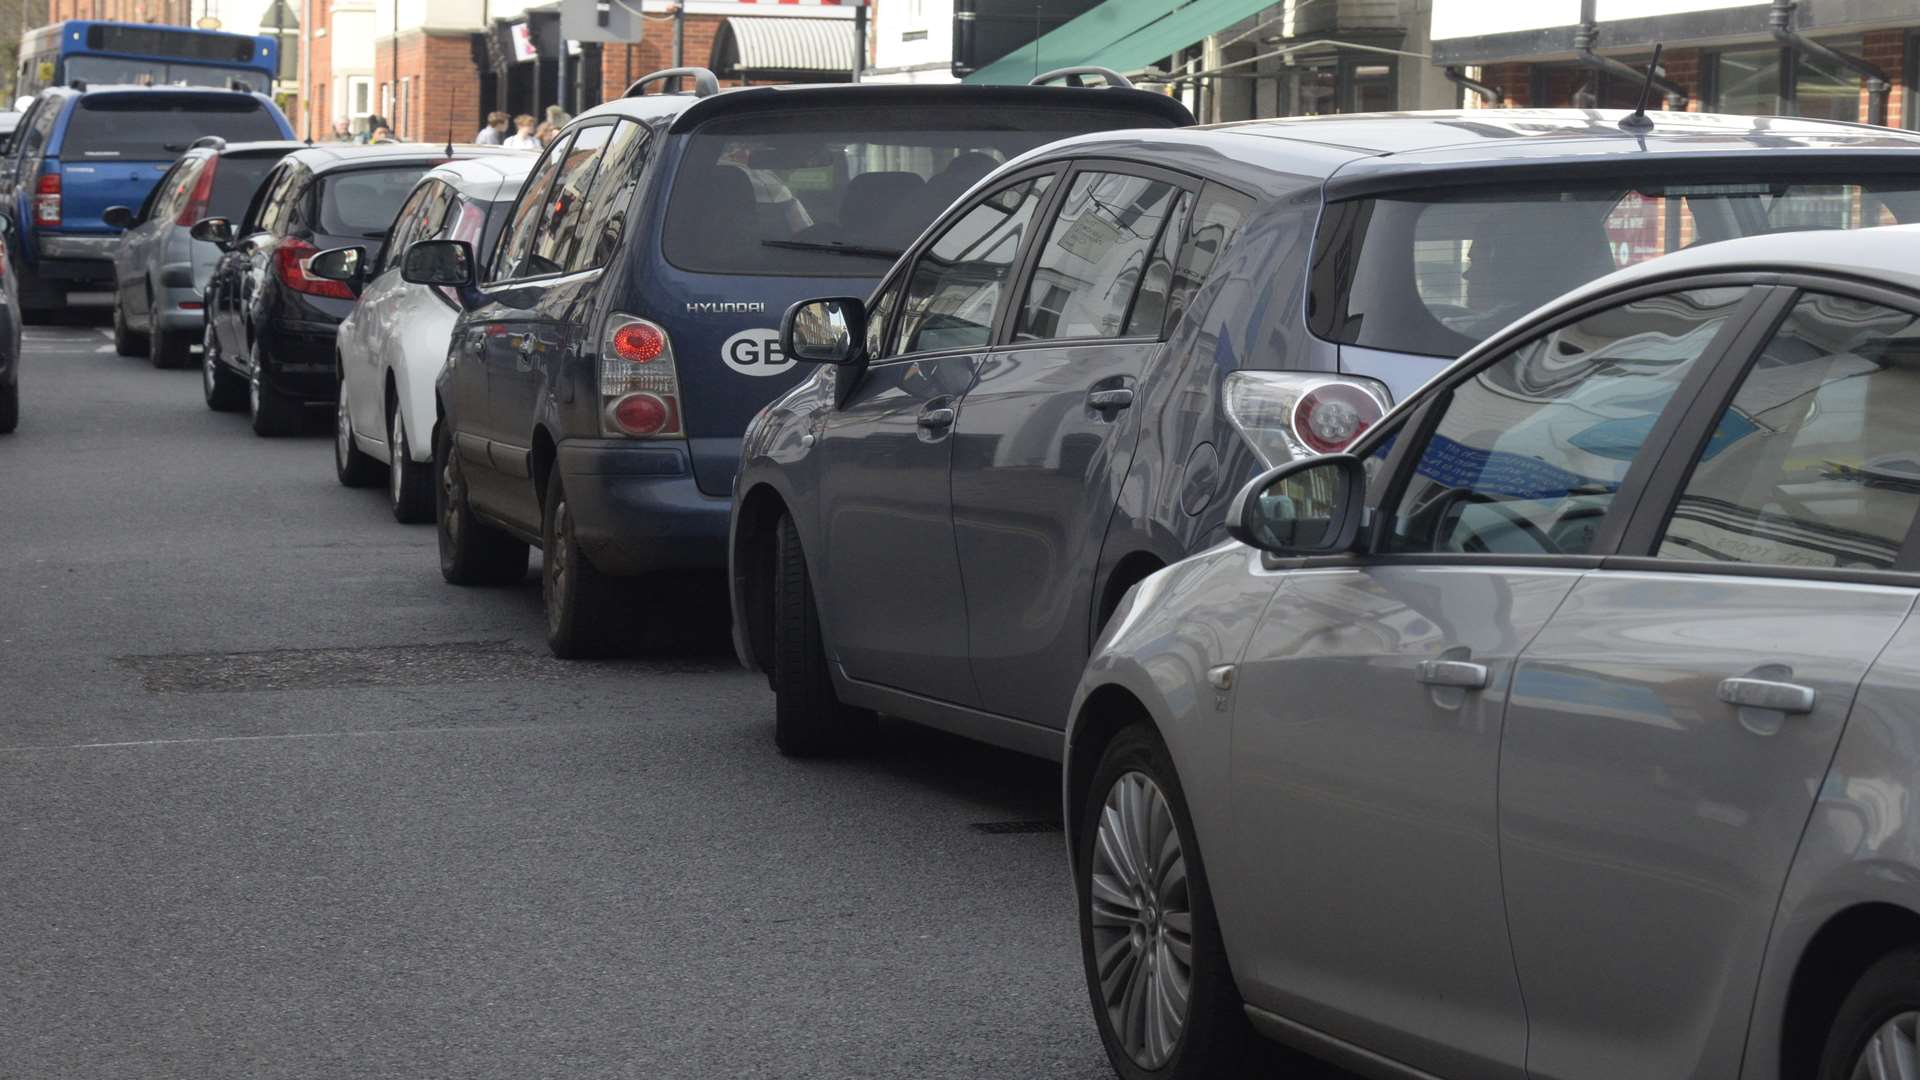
(144, 55)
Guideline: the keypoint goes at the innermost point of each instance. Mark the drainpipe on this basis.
(1780, 21)
(1489, 94)
(1583, 40)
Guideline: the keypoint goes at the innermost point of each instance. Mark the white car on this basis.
(391, 347)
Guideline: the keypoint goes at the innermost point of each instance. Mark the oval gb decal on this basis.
(755, 352)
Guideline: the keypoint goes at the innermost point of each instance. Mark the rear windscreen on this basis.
(157, 127)
(842, 193)
(363, 202)
(1439, 272)
(235, 180)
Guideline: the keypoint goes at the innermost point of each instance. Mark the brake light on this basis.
(1329, 417)
(290, 266)
(46, 199)
(1285, 415)
(196, 206)
(639, 386)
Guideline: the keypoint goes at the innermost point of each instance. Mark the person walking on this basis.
(546, 133)
(343, 131)
(495, 133)
(522, 139)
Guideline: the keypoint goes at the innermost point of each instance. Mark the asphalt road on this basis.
(277, 802)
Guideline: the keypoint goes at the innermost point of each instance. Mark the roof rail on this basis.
(704, 84)
(1075, 76)
(211, 142)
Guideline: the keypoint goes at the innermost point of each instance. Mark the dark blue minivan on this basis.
(79, 150)
(625, 328)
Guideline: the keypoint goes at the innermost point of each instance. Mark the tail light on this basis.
(1287, 415)
(639, 388)
(46, 199)
(290, 266)
(196, 204)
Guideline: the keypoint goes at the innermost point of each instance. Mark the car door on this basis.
(268, 212)
(1367, 733)
(893, 603)
(1671, 726)
(135, 250)
(1045, 433)
(372, 330)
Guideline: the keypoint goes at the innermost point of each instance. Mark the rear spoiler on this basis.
(763, 99)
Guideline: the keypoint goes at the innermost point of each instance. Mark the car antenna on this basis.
(450, 128)
(1638, 122)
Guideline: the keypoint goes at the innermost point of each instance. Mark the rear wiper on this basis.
(843, 249)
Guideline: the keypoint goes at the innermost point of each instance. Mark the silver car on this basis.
(1565, 728)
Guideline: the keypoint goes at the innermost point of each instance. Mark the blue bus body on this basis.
(144, 55)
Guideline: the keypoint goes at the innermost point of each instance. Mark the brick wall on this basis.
(439, 80)
(1888, 50)
(621, 64)
(140, 11)
(316, 77)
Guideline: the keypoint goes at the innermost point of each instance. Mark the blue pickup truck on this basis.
(81, 149)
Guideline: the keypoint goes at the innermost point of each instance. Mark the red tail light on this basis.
(196, 206)
(46, 199)
(1331, 415)
(639, 386)
(290, 266)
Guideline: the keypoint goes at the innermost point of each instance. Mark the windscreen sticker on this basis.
(755, 352)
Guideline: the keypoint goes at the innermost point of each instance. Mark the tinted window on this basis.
(362, 202)
(276, 208)
(40, 126)
(840, 192)
(1090, 266)
(517, 240)
(566, 212)
(235, 179)
(1816, 462)
(412, 222)
(608, 204)
(157, 127)
(882, 310)
(173, 190)
(1529, 452)
(1216, 219)
(1149, 314)
(956, 283)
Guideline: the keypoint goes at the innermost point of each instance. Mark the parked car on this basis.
(1630, 594)
(1052, 396)
(269, 338)
(393, 344)
(599, 380)
(160, 272)
(9, 338)
(80, 150)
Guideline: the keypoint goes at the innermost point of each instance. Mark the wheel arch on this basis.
(1845, 946)
(540, 462)
(1127, 572)
(1108, 710)
(751, 569)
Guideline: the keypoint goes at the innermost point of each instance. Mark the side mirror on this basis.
(829, 331)
(119, 217)
(1311, 506)
(217, 231)
(343, 264)
(439, 262)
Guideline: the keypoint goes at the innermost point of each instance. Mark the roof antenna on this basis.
(450, 127)
(1638, 122)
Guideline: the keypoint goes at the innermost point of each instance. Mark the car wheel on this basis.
(125, 341)
(585, 608)
(409, 483)
(808, 716)
(272, 413)
(471, 551)
(352, 466)
(168, 349)
(1876, 1033)
(9, 408)
(223, 389)
(1156, 969)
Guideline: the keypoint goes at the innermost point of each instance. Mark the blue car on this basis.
(80, 150)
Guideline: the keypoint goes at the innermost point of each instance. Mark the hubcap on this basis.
(1142, 920)
(1891, 1054)
(397, 456)
(557, 555)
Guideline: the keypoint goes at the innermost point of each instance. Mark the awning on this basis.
(784, 49)
(1125, 35)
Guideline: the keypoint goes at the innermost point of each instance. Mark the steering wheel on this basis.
(1448, 505)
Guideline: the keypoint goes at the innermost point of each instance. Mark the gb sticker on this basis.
(755, 352)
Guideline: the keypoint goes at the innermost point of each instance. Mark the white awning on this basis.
(772, 47)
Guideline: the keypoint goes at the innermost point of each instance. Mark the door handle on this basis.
(1459, 673)
(1783, 697)
(936, 419)
(1109, 400)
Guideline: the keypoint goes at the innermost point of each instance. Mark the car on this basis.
(270, 327)
(160, 272)
(9, 339)
(392, 345)
(624, 330)
(1000, 441)
(81, 149)
(1564, 726)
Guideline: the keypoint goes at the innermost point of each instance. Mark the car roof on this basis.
(328, 156)
(484, 175)
(93, 89)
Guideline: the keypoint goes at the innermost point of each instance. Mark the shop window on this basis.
(1826, 90)
(1747, 82)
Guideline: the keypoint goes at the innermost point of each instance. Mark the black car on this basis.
(623, 330)
(9, 338)
(269, 339)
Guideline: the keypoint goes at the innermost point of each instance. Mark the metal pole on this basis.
(859, 40)
(679, 35)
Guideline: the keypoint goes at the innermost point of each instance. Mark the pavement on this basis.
(275, 801)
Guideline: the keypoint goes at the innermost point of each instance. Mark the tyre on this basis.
(126, 342)
(1148, 936)
(224, 391)
(586, 609)
(9, 408)
(1876, 1030)
(808, 716)
(41, 303)
(169, 349)
(273, 413)
(471, 551)
(409, 482)
(351, 466)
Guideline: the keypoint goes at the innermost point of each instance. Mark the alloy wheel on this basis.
(1891, 1053)
(1142, 920)
(557, 567)
(396, 456)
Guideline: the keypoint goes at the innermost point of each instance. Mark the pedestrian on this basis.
(498, 123)
(558, 116)
(343, 131)
(381, 134)
(546, 133)
(374, 123)
(522, 138)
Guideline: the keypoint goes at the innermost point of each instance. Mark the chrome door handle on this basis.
(1766, 694)
(1107, 400)
(1460, 673)
(935, 419)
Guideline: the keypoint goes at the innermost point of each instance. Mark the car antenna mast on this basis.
(1638, 122)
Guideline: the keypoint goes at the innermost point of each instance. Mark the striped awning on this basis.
(783, 48)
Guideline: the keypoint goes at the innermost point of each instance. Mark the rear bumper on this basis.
(299, 358)
(58, 246)
(637, 509)
(74, 273)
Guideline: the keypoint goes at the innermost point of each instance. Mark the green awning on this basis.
(1124, 35)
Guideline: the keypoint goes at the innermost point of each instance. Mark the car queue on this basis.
(1521, 629)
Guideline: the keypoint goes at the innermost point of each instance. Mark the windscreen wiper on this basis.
(844, 249)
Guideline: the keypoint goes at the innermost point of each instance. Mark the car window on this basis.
(516, 240)
(1816, 461)
(604, 221)
(275, 210)
(262, 202)
(40, 127)
(173, 190)
(884, 302)
(955, 286)
(409, 224)
(1529, 451)
(1217, 218)
(235, 178)
(1149, 315)
(362, 202)
(560, 228)
(159, 126)
(1089, 268)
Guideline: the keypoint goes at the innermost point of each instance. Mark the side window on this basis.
(276, 212)
(262, 199)
(955, 286)
(884, 302)
(1530, 450)
(1090, 267)
(408, 226)
(1816, 461)
(560, 230)
(604, 221)
(40, 127)
(170, 194)
(516, 241)
(299, 203)
(1216, 218)
(1149, 315)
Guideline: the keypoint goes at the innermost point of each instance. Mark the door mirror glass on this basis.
(831, 331)
(1306, 507)
(338, 264)
(118, 217)
(438, 262)
(213, 230)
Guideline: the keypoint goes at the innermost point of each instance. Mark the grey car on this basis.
(1567, 727)
(160, 273)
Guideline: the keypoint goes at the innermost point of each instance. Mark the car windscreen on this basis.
(157, 127)
(363, 202)
(842, 192)
(235, 180)
(1439, 271)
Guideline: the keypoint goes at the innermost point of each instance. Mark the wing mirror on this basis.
(342, 264)
(119, 217)
(217, 231)
(1311, 506)
(438, 262)
(829, 331)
